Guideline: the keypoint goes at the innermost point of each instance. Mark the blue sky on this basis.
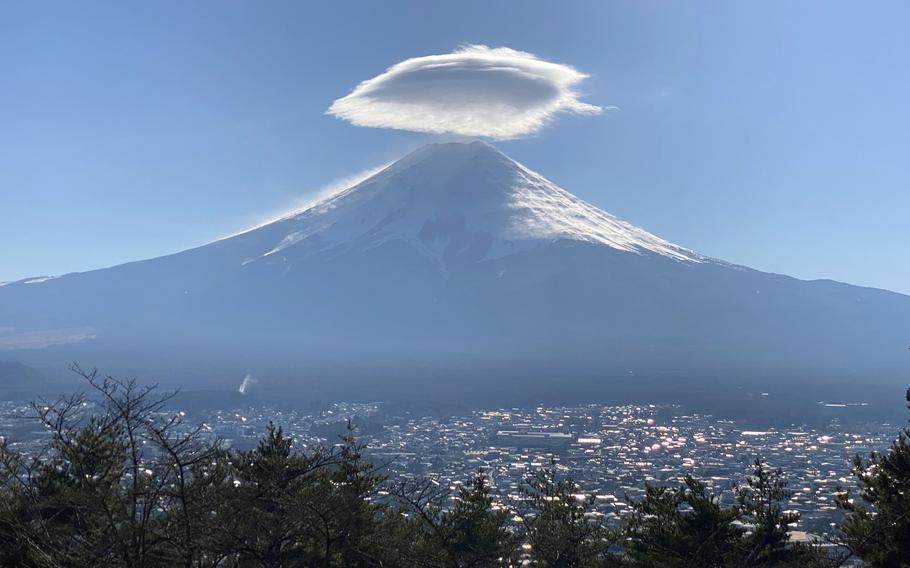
(774, 135)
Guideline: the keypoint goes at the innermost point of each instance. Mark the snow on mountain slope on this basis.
(465, 202)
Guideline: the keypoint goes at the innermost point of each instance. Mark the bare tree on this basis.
(119, 473)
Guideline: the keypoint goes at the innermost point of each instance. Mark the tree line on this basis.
(123, 483)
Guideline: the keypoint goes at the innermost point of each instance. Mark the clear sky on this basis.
(773, 134)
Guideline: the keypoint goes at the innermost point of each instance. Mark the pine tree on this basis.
(469, 534)
(761, 503)
(558, 526)
(682, 526)
(877, 526)
(477, 534)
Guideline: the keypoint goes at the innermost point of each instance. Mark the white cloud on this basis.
(474, 91)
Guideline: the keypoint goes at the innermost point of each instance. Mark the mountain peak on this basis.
(456, 149)
(446, 158)
(459, 201)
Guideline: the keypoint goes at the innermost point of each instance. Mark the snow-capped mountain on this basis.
(461, 202)
(454, 262)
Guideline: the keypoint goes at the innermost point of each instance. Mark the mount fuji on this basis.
(453, 270)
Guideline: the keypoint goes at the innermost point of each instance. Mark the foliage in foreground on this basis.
(124, 483)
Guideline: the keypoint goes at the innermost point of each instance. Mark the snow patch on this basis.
(39, 280)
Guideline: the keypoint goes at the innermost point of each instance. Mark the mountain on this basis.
(455, 270)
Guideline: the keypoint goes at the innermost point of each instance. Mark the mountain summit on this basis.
(460, 203)
(454, 264)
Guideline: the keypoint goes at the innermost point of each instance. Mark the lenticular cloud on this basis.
(474, 91)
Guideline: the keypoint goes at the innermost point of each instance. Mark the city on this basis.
(612, 452)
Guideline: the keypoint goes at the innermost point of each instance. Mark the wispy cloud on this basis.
(247, 382)
(311, 198)
(474, 91)
(11, 339)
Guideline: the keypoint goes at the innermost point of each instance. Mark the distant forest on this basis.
(123, 482)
